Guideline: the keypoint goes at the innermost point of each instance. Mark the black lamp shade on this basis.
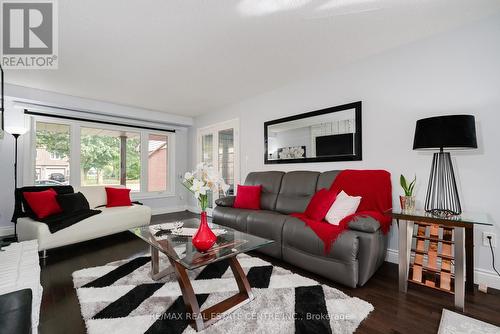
(452, 132)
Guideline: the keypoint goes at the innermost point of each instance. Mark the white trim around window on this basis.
(29, 154)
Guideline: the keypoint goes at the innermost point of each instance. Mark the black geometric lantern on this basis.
(456, 132)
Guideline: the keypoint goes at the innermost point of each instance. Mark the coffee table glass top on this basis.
(180, 249)
(471, 218)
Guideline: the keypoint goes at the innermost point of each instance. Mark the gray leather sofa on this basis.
(354, 257)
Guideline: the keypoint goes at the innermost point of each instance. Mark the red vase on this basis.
(204, 238)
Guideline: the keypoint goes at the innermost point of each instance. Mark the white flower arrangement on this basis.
(203, 179)
(294, 152)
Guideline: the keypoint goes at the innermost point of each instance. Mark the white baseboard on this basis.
(6, 230)
(161, 211)
(483, 276)
(488, 277)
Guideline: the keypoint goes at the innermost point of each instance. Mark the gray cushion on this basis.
(271, 183)
(296, 191)
(227, 201)
(364, 224)
(267, 224)
(231, 217)
(236, 218)
(297, 235)
(326, 179)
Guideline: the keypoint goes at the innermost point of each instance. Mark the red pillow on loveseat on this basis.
(320, 204)
(118, 197)
(43, 203)
(248, 197)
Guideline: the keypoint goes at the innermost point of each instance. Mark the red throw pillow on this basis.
(118, 197)
(248, 197)
(320, 204)
(43, 203)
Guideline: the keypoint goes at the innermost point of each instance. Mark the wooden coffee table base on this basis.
(201, 319)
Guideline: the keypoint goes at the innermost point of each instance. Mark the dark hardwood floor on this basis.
(419, 311)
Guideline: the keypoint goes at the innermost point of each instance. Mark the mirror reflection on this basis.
(322, 137)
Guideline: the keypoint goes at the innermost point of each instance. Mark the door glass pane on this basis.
(226, 158)
(207, 153)
(103, 162)
(52, 154)
(207, 145)
(157, 163)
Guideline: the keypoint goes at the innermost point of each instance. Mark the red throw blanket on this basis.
(374, 187)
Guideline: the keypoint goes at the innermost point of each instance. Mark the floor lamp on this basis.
(453, 132)
(16, 133)
(16, 137)
(15, 129)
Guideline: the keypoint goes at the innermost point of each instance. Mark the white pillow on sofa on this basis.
(343, 206)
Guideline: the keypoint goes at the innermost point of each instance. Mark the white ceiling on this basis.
(189, 57)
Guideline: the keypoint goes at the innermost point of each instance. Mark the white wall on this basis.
(159, 205)
(455, 72)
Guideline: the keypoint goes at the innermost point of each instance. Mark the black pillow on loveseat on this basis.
(74, 202)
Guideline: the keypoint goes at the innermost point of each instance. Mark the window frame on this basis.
(29, 144)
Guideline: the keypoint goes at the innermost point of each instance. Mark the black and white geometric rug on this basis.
(120, 297)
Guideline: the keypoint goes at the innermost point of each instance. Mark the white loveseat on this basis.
(109, 221)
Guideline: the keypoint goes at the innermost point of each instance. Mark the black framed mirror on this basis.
(331, 134)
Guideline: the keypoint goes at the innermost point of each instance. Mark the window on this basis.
(52, 163)
(157, 163)
(110, 157)
(141, 160)
(56, 156)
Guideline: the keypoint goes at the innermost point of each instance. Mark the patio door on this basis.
(218, 146)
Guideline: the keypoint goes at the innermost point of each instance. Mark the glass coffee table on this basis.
(183, 257)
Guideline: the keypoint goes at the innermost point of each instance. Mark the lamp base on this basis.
(442, 213)
(442, 194)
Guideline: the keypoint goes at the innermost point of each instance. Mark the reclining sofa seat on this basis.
(354, 257)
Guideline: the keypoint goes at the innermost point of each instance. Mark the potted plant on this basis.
(200, 182)
(408, 200)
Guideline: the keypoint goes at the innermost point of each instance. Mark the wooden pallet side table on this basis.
(457, 234)
(432, 257)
